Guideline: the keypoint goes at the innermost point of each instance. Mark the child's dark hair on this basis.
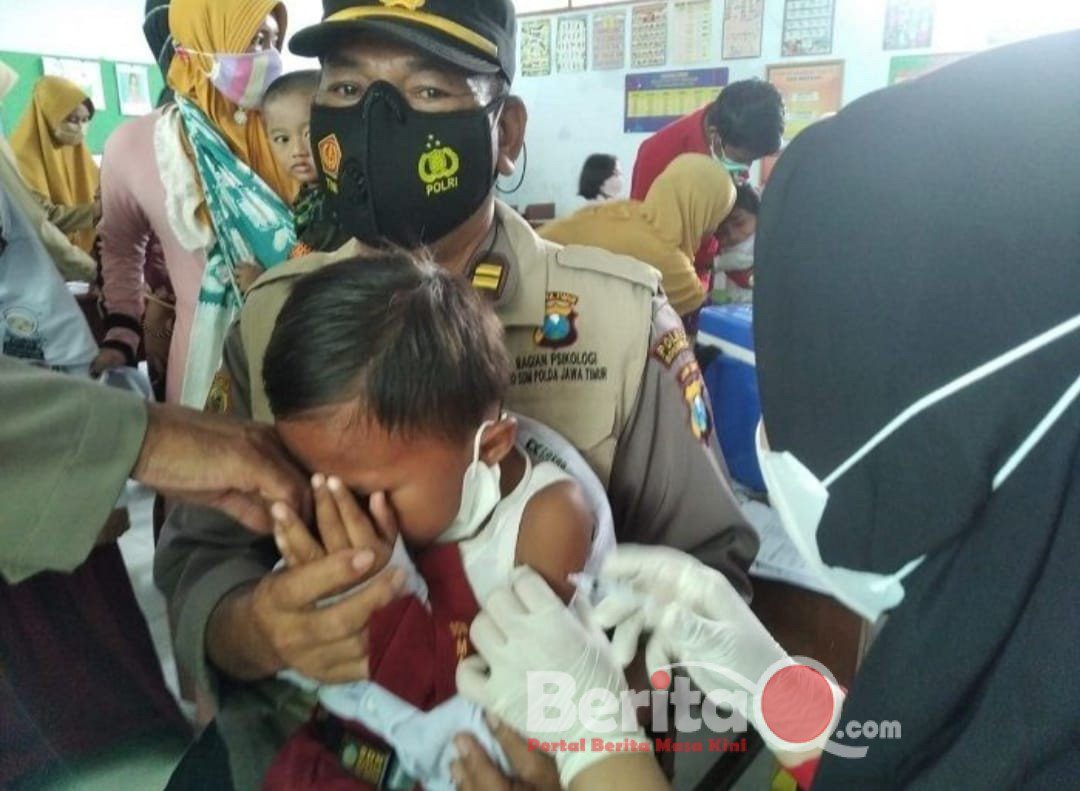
(747, 199)
(415, 346)
(597, 169)
(305, 82)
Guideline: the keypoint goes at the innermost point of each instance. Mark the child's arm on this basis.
(555, 535)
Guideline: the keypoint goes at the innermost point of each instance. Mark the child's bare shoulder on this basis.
(556, 533)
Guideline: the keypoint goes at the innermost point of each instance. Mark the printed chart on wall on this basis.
(648, 36)
(908, 67)
(84, 73)
(742, 29)
(535, 56)
(572, 44)
(908, 24)
(808, 27)
(693, 31)
(609, 40)
(655, 99)
(811, 91)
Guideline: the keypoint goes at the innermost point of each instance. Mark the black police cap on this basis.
(475, 35)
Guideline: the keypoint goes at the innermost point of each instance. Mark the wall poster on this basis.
(808, 27)
(742, 29)
(655, 99)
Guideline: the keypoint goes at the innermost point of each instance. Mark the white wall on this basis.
(574, 115)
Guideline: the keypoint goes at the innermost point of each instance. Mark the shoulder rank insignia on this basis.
(489, 278)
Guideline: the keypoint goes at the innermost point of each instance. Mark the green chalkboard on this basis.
(105, 121)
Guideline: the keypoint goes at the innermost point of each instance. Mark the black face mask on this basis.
(394, 174)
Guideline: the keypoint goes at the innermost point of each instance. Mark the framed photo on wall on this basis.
(133, 88)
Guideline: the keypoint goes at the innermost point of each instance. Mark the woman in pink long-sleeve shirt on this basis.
(134, 207)
(150, 186)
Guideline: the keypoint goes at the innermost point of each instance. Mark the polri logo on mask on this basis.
(438, 167)
(330, 157)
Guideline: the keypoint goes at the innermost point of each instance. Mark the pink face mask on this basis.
(243, 78)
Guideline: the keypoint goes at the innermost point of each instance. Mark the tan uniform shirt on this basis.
(67, 446)
(598, 355)
(79, 217)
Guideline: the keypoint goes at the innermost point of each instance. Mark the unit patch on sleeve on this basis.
(697, 400)
(670, 346)
(219, 399)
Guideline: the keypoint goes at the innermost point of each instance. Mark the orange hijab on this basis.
(66, 175)
(226, 26)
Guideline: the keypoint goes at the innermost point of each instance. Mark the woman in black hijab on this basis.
(900, 247)
(917, 322)
(159, 39)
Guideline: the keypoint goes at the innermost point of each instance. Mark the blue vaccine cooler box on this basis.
(732, 381)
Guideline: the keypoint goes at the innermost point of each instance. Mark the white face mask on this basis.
(612, 188)
(740, 173)
(480, 493)
(736, 257)
(800, 498)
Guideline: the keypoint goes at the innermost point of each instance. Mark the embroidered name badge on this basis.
(670, 346)
(364, 761)
(559, 328)
(22, 337)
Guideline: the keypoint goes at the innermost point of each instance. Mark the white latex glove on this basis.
(692, 610)
(525, 628)
(696, 617)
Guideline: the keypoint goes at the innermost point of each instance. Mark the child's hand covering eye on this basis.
(342, 524)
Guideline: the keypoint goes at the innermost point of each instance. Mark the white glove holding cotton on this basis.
(526, 629)
(694, 615)
(698, 620)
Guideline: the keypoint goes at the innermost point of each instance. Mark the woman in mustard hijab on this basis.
(687, 202)
(50, 147)
(199, 175)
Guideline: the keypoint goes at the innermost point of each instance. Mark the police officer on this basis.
(411, 127)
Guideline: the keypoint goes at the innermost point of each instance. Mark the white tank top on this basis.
(488, 557)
